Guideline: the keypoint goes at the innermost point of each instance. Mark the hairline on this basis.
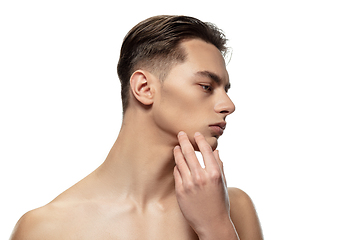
(181, 49)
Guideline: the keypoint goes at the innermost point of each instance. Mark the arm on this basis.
(201, 193)
(243, 215)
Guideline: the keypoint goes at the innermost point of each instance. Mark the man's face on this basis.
(193, 97)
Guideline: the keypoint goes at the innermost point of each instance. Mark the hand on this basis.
(201, 192)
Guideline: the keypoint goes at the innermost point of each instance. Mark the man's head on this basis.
(154, 45)
(174, 78)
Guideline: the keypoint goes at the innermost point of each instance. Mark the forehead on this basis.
(205, 57)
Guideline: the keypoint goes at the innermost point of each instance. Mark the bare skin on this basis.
(151, 186)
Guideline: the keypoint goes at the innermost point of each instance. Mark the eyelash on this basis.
(207, 88)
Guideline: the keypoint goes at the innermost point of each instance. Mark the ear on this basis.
(140, 84)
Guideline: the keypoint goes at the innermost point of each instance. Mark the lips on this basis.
(218, 128)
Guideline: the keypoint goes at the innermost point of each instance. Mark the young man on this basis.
(151, 185)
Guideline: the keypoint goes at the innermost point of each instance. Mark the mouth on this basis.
(218, 128)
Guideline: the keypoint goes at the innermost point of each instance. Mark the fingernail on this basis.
(181, 133)
(197, 134)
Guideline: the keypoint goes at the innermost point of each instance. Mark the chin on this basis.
(211, 140)
(213, 143)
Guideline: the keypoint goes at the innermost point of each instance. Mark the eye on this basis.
(207, 88)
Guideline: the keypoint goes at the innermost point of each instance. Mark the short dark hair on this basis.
(154, 44)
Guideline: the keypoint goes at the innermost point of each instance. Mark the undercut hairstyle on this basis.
(154, 45)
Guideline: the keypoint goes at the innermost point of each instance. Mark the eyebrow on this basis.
(214, 77)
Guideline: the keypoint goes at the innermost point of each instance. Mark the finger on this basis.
(188, 153)
(218, 160)
(181, 164)
(206, 151)
(178, 179)
(221, 165)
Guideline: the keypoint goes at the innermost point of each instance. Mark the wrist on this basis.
(219, 231)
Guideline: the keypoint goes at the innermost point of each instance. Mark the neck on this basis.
(140, 164)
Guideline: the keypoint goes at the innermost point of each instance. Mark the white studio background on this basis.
(293, 143)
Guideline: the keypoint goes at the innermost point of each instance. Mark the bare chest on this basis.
(96, 225)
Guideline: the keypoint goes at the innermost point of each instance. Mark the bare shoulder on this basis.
(240, 200)
(47, 222)
(36, 224)
(60, 218)
(243, 215)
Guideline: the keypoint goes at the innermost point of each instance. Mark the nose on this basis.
(224, 105)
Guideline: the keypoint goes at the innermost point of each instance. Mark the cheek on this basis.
(178, 111)
(182, 111)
